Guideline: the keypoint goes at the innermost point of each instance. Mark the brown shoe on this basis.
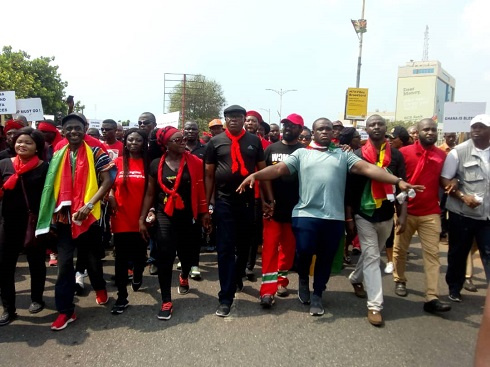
(375, 318)
(359, 290)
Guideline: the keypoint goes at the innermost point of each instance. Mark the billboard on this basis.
(356, 104)
(415, 98)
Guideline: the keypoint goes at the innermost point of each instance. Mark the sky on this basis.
(114, 54)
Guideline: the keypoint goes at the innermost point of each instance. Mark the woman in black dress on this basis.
(22, 185)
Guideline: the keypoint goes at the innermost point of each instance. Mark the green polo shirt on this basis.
(322, 176)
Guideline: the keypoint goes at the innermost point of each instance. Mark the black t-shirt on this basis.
(199, 150)
(14, 204)
(169, 176)
(218, 152)
(7, 153)
(285, 188)
(356, 184)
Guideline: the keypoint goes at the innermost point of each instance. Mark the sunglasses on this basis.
(146, 123)
(304, 137)
(178, 140)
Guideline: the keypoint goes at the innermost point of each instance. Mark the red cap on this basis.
(294, 119)
(255, 114)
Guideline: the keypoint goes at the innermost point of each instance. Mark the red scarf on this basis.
(236, 154)
(426, 154)
(20, 168)
(174, 200)
(379, 190)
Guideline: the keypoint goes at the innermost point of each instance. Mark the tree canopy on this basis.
(32, 78)
(204, 100)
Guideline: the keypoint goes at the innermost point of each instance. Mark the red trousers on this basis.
(277, 255)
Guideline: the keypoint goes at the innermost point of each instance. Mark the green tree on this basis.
(32, 78)
(204, 100)
(124, 123)
(79, 107)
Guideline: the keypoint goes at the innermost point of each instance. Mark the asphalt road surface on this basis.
(285, 335)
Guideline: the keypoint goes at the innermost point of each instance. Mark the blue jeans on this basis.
(318, 237)
(462, 232)
(88, 245)
(234, 235)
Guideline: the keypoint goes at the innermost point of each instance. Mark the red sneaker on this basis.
(62, 321)
(101, 297)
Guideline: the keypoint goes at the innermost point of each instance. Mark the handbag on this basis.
(30, 237)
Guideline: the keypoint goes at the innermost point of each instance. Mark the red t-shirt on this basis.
(114, 150)
(129, 196)
(426, 202)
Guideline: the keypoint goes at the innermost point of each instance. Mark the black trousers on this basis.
(11, 244)
(174, 235)
(130, 247)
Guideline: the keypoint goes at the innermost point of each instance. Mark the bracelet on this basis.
(349, 220)
(397, 184)
(152, 210)
(461, 195)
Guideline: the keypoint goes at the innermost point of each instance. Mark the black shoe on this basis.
(304, 291)
(36, 307)
(239, 285)
(401, 289)
(267, 300)
(435, 306)
(249, 274)
(455, 297)
(120, 306)
(7, 318)
(135, 286)
(223, 310)
(469, 286)
(153, 269)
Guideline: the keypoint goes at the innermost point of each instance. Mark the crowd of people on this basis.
(301, 195)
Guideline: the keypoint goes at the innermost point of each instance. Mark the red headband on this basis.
(164, 135)
(12, 124)
(255, 114)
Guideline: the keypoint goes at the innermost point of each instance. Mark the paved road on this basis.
(283, 336)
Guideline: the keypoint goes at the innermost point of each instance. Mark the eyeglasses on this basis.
(304, 137)
(105, 129)
(178, 140)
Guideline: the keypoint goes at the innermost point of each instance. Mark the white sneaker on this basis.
(389, 268)
(195, 273)
(79, 278)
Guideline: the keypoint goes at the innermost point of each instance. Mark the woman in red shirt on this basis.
(176, 193)
(126, 200)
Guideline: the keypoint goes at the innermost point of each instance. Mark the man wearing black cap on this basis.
(229, 158)
(399, 137)
(72, 203)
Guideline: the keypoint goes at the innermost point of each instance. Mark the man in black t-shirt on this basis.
(279, 242)
(372, 205)
(230, 157)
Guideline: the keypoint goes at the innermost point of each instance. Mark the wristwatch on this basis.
(90, 206)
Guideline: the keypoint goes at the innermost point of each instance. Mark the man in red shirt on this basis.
(423, 162)
(114, 146)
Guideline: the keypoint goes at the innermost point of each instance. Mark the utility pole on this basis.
(358, 80)
(281, 93)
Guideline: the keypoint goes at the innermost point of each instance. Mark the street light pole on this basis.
(268, 111)
(281, 93)
(358, 80)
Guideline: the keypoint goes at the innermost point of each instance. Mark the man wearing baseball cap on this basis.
(399, 137)
(337, 128)
(229, 158)
(279, 243)
(216, 127)
(468, 203)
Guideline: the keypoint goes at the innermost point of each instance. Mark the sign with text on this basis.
(31, 108)
(7, 102)
(356, 103)
(168, 119)
(458, 115)
(93, 123)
